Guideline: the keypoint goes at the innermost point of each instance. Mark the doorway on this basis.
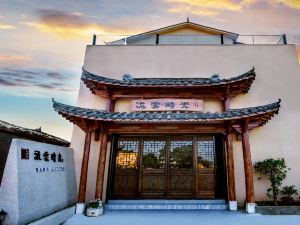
(167, 167)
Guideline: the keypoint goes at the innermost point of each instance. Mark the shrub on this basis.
(288, 192)
(275, 170)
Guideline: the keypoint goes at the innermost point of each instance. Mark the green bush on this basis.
(275, 170)
(287, 192)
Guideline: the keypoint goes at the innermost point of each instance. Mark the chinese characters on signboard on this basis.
(167, 105)
(46, 157)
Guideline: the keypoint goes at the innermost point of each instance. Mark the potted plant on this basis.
(95, 208)
(287, 192)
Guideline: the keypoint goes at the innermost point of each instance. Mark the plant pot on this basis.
(92, 212)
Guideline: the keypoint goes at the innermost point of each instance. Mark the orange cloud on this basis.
(14, 59)
(6, 27)
(291, 3)
(204, 7)
(69, 25)
(211, 8)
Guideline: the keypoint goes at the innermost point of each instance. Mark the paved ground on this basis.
(182, 218)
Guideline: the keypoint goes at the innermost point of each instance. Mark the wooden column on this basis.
(101, 163)
(247, 163)
(226, 104)
(230, 165)
(108, 104)
(84, 165)
(112, 105)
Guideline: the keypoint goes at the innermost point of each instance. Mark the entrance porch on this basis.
(190, 177)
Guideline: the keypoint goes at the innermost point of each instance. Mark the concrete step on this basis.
(166, 205)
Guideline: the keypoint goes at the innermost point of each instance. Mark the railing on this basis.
(189, 39)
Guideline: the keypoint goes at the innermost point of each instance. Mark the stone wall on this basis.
(38, 180)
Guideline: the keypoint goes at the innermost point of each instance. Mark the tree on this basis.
(275, 170)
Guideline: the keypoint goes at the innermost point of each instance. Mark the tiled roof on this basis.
(32, 134)
(267, 111)
(129, 81)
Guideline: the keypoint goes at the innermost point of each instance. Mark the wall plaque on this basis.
(167, 105)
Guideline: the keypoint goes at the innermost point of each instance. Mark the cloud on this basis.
(20, 78)
(204, 7)
(56, 75)
(291, 3)
(212, 8)
(14, 58)
(69, 25)
(5, 82)
(6, 27)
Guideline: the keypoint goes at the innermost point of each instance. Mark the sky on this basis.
(42, 43)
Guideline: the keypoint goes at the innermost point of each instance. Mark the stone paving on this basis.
(182, 218)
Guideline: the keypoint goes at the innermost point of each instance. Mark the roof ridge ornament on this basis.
(127, 78)
(215, 77)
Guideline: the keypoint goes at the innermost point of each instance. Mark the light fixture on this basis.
(2, 216)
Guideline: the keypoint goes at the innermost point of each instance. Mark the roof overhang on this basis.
(137, 87)
(257, 116)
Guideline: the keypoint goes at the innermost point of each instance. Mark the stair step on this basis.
(166, 205)
(169, 201)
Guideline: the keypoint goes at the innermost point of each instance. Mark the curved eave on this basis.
(236, 85)
(258, 115)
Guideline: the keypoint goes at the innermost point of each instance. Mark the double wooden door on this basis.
(178, 167)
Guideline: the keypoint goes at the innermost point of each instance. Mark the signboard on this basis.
(167, 105)
(39, 179)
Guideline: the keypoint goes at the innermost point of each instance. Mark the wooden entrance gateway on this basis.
(168, 167)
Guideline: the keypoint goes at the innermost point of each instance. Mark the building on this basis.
(189, 117)
(9, 131)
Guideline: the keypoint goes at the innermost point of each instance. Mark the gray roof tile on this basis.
(102, 115)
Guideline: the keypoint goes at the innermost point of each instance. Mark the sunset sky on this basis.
(42, 43)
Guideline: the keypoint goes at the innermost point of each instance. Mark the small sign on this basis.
(167, 105)
(24, 153)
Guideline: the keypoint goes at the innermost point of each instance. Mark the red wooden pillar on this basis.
(250, 200)
(84, 165)
(226, 103)
(230, 169)
(101, 164)
(112, 105)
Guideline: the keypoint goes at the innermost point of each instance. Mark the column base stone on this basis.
(233, 205)
(80, 207)
(250, 207)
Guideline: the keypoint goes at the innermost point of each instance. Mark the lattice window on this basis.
(127, 153)
(206, 154)
(181, 154)
(154, 154)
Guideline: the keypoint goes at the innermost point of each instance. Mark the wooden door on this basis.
(152, 182)
(181, 167)
(181, 175)
(205, 158)
(126, 168)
